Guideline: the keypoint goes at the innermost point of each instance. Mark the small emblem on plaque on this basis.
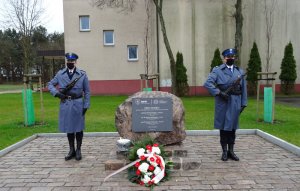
(137, 101)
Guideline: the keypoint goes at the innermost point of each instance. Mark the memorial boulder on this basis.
(145, 115)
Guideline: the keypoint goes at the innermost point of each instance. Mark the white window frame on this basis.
(80, 24)
(104, 38)
(137, 53)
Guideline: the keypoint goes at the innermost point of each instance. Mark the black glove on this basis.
(60, 95)
(242, 108)
(224, 95)
(83, 111)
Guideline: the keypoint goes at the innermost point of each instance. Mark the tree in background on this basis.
(254, 66)
(11, 53)
(24, 16)
(288, 70)
(39, 39)
(269, 10)
(56, 41)
(10, 56)
(238, 15)
(217, 60)
(42, 41)
(181, 77)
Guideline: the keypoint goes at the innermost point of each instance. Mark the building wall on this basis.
(195, 28)
(105, 62)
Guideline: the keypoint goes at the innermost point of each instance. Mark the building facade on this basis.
(116, 46)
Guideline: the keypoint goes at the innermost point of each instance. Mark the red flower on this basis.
(152, 159)
(143, 157)
(138, 172)
(155, 145)
(149, 147)
(151, 168)
(137, 164)
(141, 183)
(150, 182)
(158, 161)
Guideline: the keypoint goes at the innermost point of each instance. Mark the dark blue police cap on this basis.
(229, 52)
(71, 56)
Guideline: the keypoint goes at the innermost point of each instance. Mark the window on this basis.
(132, 52)
(84, 23)
(108, 37)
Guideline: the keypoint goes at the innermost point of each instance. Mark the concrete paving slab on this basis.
(39, 165)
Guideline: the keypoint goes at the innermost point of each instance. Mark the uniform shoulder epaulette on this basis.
(215, 68)
(62, 70)
(82, 71)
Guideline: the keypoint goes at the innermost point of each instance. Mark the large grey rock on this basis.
(123, 120)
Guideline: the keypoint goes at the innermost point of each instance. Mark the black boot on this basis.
(231, 153)
(224, 154)
(71, 139)
(79, 137)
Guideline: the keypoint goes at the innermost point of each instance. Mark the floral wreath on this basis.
(150, 167)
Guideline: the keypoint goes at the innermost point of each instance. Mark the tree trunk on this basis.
(158, 5)
(25, 44)
(238, 33)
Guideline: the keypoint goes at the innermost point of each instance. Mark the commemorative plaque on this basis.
(152, 114)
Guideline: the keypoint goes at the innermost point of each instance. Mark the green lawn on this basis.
(11, 87)
(101, 116)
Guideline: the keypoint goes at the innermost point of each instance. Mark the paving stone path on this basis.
(40, 165)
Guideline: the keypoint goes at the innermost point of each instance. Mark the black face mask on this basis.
(70, 65)
(230, 61)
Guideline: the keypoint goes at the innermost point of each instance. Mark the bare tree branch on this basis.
(24, 16)
(123, 5)
(158, 4)
(269, 9)
(147, 38)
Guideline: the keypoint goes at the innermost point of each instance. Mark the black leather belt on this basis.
(235, 93)
(69, 97)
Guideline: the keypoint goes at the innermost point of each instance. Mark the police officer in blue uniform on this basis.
(227, 83)
(71, 86)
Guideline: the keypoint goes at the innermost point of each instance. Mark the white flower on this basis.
(157, 171)
(140, 152)
(156, 150)
(144, 167)
(148, 173)
(154, 164)
(146, 179)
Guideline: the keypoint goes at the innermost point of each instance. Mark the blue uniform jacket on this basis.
(226, 112)
(71, 119)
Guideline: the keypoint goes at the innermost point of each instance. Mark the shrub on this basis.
(181, 76)
(254, 66)
(288, 73)
(217, 60)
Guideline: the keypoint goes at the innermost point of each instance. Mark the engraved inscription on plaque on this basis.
(152, 114)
